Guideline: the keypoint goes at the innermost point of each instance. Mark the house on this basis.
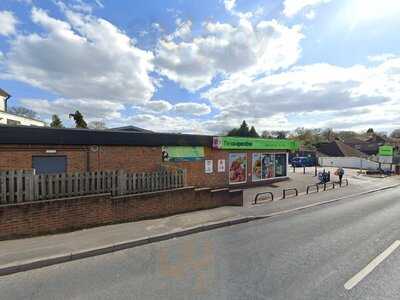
(8, 118)
(209, 161)
(338, 154)
(370, 146)
(337, 148)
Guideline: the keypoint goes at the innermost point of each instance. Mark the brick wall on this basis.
(196, 173)
(135, 159)
(82, 158)
(19, 157)
(129, 158)
(43, 217)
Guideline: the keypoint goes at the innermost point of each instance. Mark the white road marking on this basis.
(371, 266)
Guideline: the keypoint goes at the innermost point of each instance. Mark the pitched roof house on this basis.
(337, 148)
(7, 118)
(369, 146)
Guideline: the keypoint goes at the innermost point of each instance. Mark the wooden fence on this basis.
(24, 186)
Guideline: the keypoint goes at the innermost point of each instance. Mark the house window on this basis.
(13, 122)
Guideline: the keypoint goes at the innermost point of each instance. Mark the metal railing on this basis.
(284, 192)
(311, 186)
(264, 193)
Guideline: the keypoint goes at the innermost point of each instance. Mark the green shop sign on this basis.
(182, 153)
(227, 142)
(385, 151)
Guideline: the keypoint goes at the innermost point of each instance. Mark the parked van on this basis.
(303, 161)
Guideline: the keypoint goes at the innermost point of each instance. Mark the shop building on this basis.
(209, 161)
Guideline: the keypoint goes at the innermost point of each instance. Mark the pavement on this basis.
(30, 253)
(342, 250)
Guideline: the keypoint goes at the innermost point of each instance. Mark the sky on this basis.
(204, 66)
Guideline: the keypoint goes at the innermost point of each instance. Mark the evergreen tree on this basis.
(56, 122)
(244, 129)
(233, 132)
(79, 121)
(253, 132)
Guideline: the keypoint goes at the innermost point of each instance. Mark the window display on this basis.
(267, 162)
(268, 165)
(256, 163)
(237, 168)
(280, 165)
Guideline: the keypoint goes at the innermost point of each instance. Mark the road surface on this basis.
(345, 250)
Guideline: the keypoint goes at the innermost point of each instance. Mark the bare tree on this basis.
(22, 111)
(99, 125)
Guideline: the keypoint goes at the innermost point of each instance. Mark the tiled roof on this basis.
(338, 149)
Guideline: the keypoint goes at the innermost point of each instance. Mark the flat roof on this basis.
(33, 135)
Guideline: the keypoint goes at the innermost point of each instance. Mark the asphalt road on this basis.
(306, 255)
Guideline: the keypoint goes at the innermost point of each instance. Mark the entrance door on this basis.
(49, 164)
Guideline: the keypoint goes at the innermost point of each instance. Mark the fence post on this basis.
(121, 175)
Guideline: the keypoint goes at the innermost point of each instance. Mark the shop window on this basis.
(280, 165)
(237, 168)
(268, 165)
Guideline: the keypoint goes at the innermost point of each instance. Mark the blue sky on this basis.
(204, 66)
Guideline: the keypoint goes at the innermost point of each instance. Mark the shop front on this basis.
(254, 161)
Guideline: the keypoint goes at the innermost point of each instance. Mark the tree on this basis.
(370, 131)
(79, 121)
(99, 125)
(253, 132)
(22, 111)
(266, 134)
(56, 122)
(233, 132)
(395, 134)
(244, 129)
(280, 134)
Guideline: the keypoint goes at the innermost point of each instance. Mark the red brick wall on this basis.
(135, 159)
(19, 157)
(196, 170)
(43, 217)
(82, 158)
(196, 173)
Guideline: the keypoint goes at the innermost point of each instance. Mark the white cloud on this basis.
(182, 108)
(293, 7)
(92, 110)
(183, 31)
(83, 57)
(229, 4)
(310, 15)
(314, 89)
(226, 49)
(157, 27)
(192, 108)
(7, 23)
(156, 106)
(164, 123)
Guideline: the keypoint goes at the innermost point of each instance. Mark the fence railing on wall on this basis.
(24, 186)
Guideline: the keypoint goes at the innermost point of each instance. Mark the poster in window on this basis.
(267, 166)
(237, 168)
(280, 165)
(221, 165)
(208, 166)
(256, 165)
